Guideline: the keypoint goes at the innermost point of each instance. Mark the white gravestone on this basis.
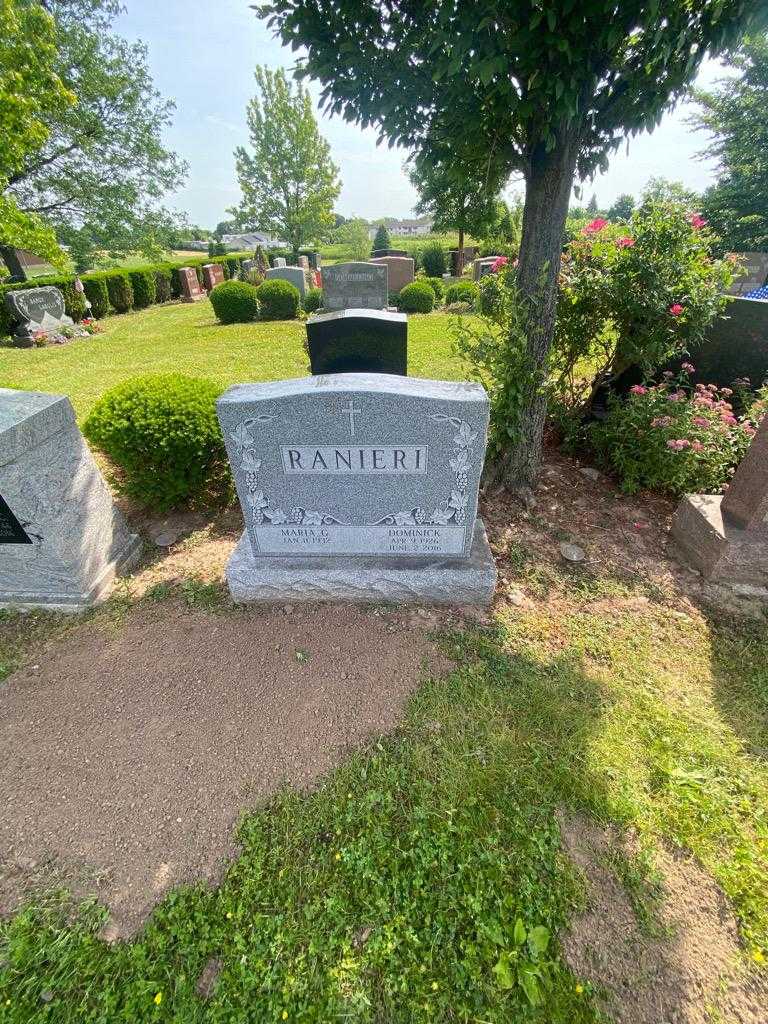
(359, 487)
(62, 540)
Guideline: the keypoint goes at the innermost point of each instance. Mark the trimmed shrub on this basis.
(462, 291)
(143, 284)
(98, 296)
(417, 297)
(162, 432)
(437, 286)
(313, 300)
(235, 302)
(231, 265)
(120, 290)
(162, 284)
(278, 300)
(433, 259)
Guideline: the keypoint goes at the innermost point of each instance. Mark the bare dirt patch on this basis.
(128, 753)
(690, 973)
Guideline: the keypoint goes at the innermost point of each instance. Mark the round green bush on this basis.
(98, 296)
(235, 302)
(162, 432)
(437, 286)
(416, 298)
(313, 300)
(462, 291)
(433, 259)
(120, 291)
(144, 288)
(278, 300)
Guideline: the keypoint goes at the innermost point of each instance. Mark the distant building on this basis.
(249, 240)
(411, 227)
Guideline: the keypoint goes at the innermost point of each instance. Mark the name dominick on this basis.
(355, 459)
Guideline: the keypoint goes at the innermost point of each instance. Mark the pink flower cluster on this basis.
(676, 309)
(625, 243)
(594, 226)
(696, 221)
(499, 264)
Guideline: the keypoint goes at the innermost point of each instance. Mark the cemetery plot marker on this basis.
(358, 487)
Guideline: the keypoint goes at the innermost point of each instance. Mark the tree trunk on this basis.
(548, 190)
(460, 255)
(15, 266)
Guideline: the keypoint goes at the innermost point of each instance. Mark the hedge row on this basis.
(121, 290)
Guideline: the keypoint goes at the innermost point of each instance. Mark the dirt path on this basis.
(127, 755)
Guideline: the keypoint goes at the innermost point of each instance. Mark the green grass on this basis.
(187, 338)
(422, 880)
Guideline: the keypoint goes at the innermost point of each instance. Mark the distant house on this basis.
(411, 227)
(249, 240)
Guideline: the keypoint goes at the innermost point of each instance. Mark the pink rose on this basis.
(696, 221)
(625, 243)
(594, 226)
(676, 309)
(498, 264)
(638, 389)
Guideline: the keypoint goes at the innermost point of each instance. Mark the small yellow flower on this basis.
(337, 857)
(284, 1015)
(579, 989)
(158, 998)
(229, 915)
(435, 986)
(758, 956)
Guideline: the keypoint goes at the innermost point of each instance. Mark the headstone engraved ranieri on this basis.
(356, 478)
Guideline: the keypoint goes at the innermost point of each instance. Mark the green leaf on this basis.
(519, 932)
(529, 983)
(538, 939)
(505, 975)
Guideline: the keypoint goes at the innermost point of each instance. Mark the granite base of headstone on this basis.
(359, 487)
(358, 341)
(725, 536)
(35, 310)
(62, 540)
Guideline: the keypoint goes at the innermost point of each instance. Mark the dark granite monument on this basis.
(358, 341)
(378, 253)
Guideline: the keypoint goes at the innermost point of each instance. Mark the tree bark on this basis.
(460, 255)
(548, 189)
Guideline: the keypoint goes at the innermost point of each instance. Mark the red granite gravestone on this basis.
(400, 270)
(213, 274)
(190, 286)
(726, 536)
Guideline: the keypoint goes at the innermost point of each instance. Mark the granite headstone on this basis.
(279, 261)
(355, 286)
(358, 487)
(483, 267)
(191, 291)
(62, 540)
(358, 341)
(294, 275)
(377, 253)
(400, 270)
(754, 272)
(37, 309)
(315, 261)
(213, 274)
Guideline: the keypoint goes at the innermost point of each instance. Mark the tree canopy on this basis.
(454, 203)
(101, 166)
(735, 114)
(31, 93)
(547, 89)
(289, 182)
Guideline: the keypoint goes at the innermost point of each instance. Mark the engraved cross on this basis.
(352, 411)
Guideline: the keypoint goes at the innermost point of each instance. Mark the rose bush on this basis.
(635, 297)
(674, 438)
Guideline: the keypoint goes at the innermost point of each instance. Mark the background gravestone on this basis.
(358, 487)
(295, 275)
(377, 253)
(37, 309)
(754, 272)
(213, 274)
(279, 261)
(358, 341)
(191, 290)
(726, 536)
(482, 267)
(53, 492)
(400, 271)
(315, 261)
(355, 286)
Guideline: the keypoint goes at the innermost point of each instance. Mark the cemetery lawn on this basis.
(572, 820)
(186, 338)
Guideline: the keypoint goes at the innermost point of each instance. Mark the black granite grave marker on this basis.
(358, 341)
(11, 530)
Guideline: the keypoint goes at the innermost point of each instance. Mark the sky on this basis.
(202, 56)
